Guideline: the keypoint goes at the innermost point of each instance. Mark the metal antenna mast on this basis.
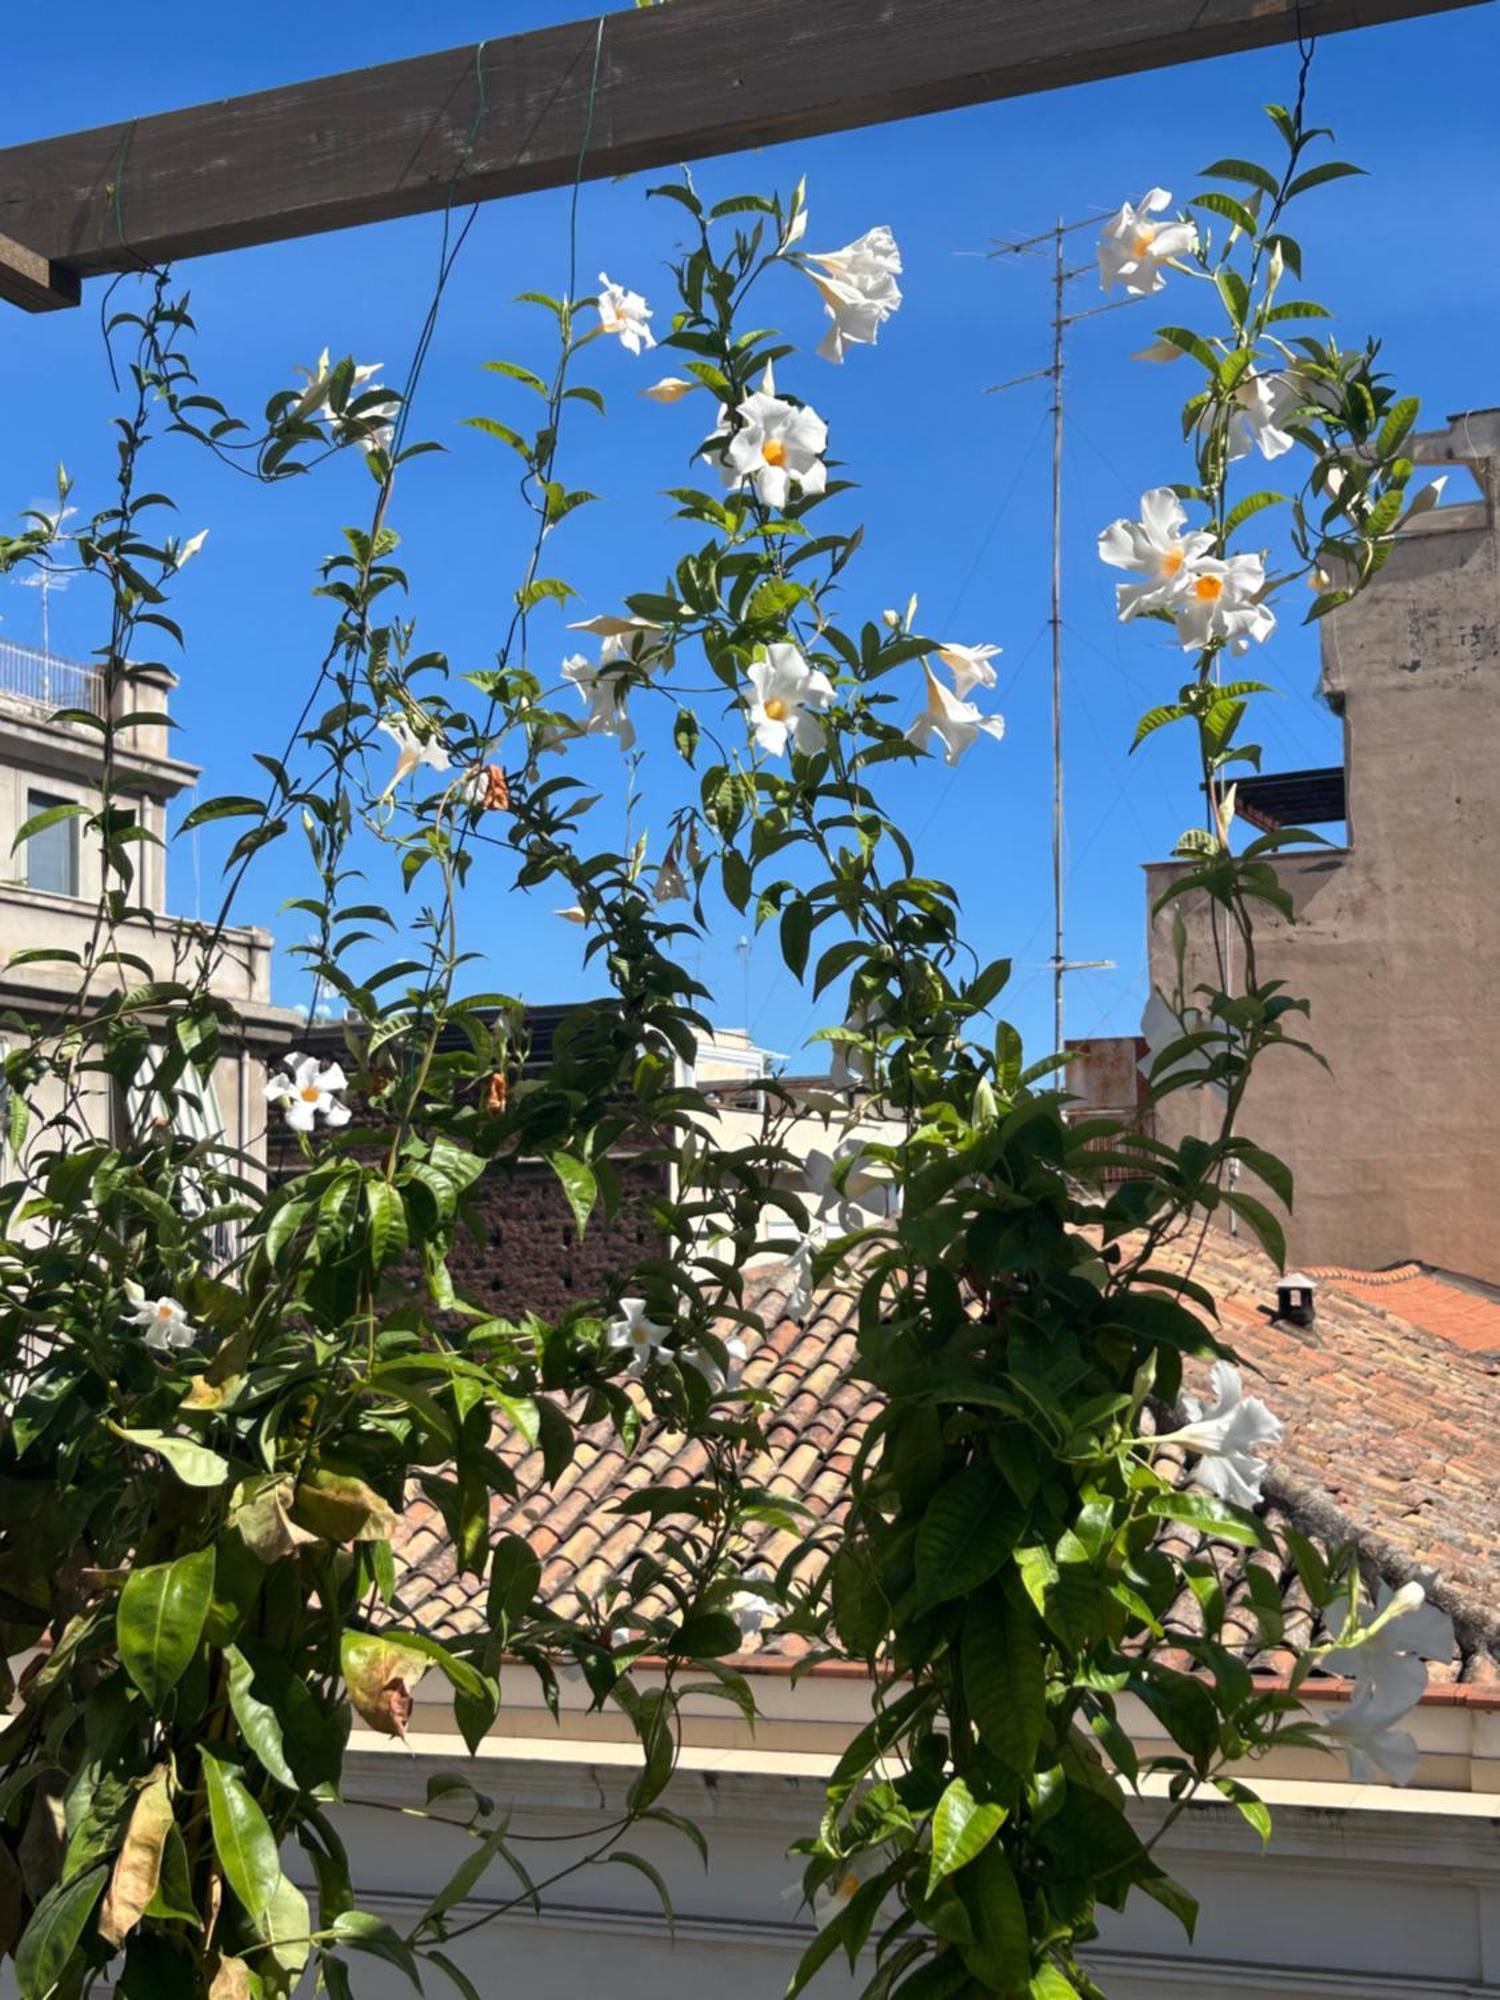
(1062, 319)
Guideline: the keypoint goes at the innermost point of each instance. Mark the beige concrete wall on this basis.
(1396, 1152)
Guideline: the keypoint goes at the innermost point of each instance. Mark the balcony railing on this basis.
(46, 683)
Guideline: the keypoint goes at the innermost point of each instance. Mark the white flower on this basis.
(717, 1378)
(638, 1336)
(848, 1207)
(785, 700)
(751, 1610)
(1406, 1631)
(797, 1277)
(779, 445)
(969, 665)
(1155, 548)
(572, 915)
(412, 750)
(1133, 248)
(609, 625)
(1258, 405)
(1365, 1731)
(604, 697)
(166, 1322)
(1159, 350)
(957, 723)
(190, 548)
(306, 1089)
(1223, 1434)
(320, 379)
(858, 288)
(670, 389)
(1221, 601)
(626, 314)
(839, 1891)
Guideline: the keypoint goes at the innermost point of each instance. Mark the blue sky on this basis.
(953, 482)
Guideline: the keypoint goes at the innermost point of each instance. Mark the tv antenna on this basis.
(1055, 372)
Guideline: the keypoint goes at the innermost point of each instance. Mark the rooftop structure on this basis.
(1396, 945)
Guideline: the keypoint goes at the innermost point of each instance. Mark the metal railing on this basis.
(44, 682)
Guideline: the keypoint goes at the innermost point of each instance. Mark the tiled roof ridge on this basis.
(1317, 1515)
(1393, 1274)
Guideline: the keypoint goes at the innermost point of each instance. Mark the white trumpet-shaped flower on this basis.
(785, 699)
(604, 698)
(635, 1334)
(1156, 549)
(858, 288)
(671, 389)
(166, 1322)
(718, 1379)
(778, 445)
(412, 750)
(306, 1091)
(1222, 1433)
(1408, 1631)
(1134, 248)
(1257, 409)
(838, 1892)
(319, 381)
(625, 314)
(1365, 1730)
(956, 723)
(1221, 601)
(751, 1609)
(969, 665)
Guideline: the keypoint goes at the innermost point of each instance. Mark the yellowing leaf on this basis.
(381, 1675)
(341, 1507)
(137, 1867)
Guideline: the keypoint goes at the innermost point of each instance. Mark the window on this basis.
(52, 854)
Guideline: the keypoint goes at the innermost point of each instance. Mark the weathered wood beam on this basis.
(673, 83)
(34, 282)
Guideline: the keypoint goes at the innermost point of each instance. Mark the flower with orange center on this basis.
(624, 314)
(305, 1090)
(1134, 250)
(779, 446)
(166, 1322)
(1221, 604)
(1157, 550)
(785, 698)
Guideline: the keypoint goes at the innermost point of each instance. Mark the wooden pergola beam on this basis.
(652, 86)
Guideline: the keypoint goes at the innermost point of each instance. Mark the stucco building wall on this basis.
(1395, 1148)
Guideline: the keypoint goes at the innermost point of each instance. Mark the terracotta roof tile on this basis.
(1392, 1439)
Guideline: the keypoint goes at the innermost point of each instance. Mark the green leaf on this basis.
(970, 1527)
(1331, 170)
(796, 934)
(1271, 1235)
(578, 1184)
(243, 1839)
(1252, 504)
(515, 1576)
(1397, 425)
(389, 1236)
(159, 1621)
(194, 1464)
(362, 1932)
(52, 1935)
(296, 1739)
(1244, 170)
(231, 806)
(1005, 1678)
(53, 815)
(1000, 1956)
(961, 1829)
(1214, 1516)
(652, 1875)
(1050, 1984)
(1226, 205)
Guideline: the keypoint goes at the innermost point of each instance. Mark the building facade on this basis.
(1396, 943)
(50, 886)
